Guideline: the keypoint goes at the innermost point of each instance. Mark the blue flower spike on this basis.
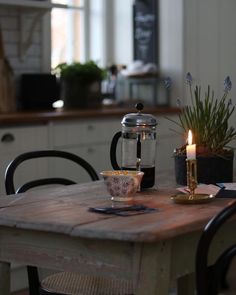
(178, 102)
(189, 79)
(227, 84)
(167, 82)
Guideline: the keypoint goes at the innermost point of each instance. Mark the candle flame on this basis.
(190, 137)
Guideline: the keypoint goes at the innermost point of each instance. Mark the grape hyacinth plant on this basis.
(208, 118)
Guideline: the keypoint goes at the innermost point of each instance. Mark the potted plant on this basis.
(208, 119)
(80, 84)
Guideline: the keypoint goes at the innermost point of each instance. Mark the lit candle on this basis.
(191, 148)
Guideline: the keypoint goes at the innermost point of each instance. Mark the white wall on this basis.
(171, 44)
(198, 36)
(31, 61)
(210, 44)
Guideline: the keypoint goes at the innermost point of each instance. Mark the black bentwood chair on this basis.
(62, 283)
(210, 279)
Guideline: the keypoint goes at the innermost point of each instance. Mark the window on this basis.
(67, 32)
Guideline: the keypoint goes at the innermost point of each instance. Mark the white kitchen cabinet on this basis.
(85, 132)
(89, 139)
(13, 142)
(17, 140)
(97, 155)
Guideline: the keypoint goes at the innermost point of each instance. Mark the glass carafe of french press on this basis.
(138, 146)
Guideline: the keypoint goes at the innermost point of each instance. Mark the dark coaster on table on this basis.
(129, 210)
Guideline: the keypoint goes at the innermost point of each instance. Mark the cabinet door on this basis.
(15, 141)
(89, 139)
(97, 155)
(83, 132)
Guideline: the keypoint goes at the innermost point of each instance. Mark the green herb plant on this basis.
(208, 119)
(84, 73)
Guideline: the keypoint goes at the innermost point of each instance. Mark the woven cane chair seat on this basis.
(77, 284)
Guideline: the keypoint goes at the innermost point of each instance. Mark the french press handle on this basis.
(113, 151)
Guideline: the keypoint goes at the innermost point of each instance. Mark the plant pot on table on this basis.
(210, 168)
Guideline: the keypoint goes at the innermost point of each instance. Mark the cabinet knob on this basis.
(91, 127)
(7, 137)
(90, 150)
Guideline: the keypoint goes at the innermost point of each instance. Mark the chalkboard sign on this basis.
(145, 30)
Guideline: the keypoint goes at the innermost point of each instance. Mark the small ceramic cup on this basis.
(122, 184)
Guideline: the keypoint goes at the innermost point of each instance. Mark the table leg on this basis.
(153, 276)
(4, 278)
(186, 285)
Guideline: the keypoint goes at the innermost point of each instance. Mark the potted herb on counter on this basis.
(208, 119)
(80, 84)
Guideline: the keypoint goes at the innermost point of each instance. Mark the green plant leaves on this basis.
(86, 72)
(208, 118)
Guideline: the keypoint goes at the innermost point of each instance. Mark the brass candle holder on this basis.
(192, 177)
(192, 197)
(191, 163)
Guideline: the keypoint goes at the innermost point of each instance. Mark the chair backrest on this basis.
(11, 169)
(33, 276)
(209, 278)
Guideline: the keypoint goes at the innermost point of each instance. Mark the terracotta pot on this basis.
(210, 169)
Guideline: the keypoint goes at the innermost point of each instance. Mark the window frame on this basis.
(46, 33)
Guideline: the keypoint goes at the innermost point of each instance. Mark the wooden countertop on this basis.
(27, 117)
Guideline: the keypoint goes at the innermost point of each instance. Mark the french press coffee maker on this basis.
(138, 146)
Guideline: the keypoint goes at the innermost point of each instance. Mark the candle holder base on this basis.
(192, 199)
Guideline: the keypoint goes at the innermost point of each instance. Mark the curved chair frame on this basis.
(10, 171)
(210, 278)
(33, 277)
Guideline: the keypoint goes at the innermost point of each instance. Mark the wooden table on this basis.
(52, 228)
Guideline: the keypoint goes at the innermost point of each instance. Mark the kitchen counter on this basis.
(87, 133)
(28, 117)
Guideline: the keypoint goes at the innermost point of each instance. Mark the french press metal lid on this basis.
(139, 119)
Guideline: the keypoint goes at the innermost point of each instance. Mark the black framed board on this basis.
(145, 30)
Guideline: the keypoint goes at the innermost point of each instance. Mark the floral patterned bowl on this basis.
(122, 184)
